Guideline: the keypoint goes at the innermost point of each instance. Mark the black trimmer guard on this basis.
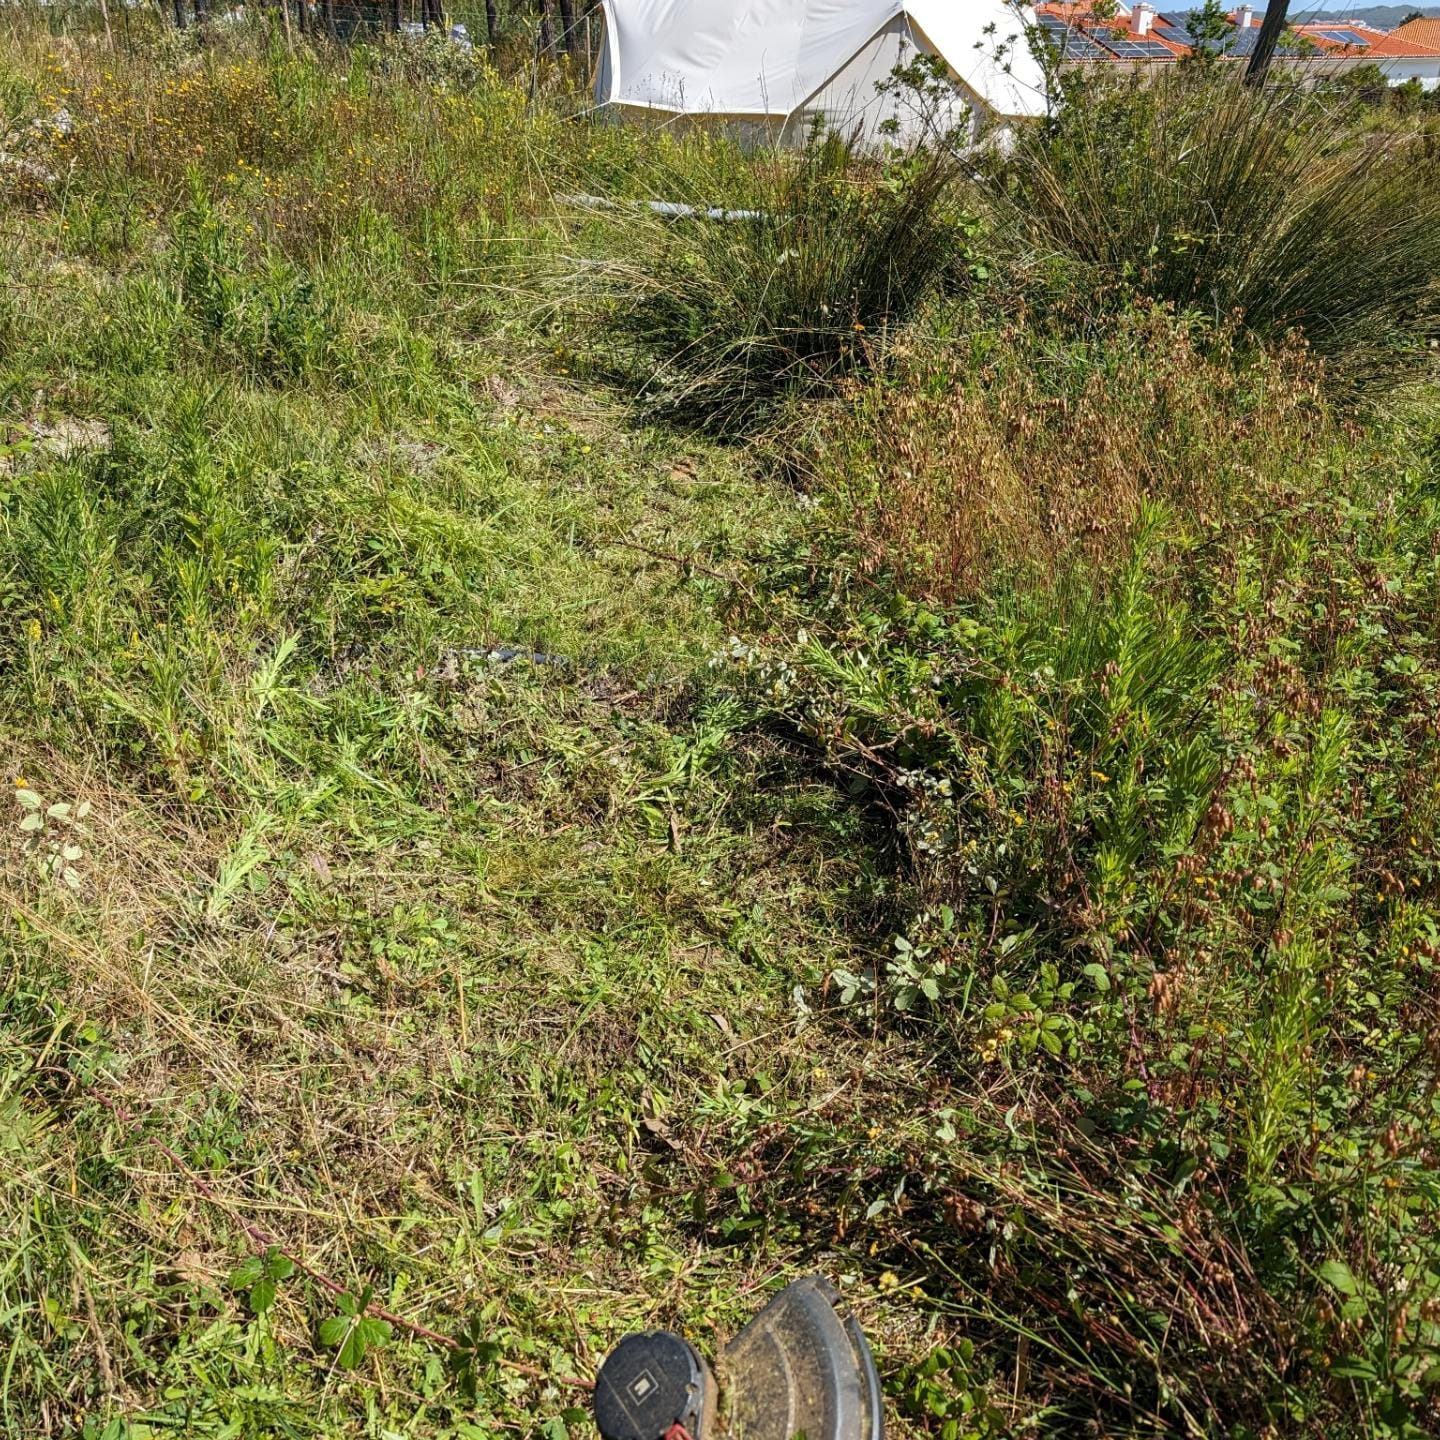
(795, 1370)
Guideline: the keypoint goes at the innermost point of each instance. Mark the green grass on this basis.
(410, 954)
(546, 872)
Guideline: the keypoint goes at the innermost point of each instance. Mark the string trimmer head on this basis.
(795, 1370)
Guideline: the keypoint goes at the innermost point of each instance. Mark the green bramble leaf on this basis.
(352, 1352)
(354, 1332)
(1338, 1274)
(245, 1274)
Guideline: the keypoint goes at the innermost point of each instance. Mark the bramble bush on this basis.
(1168, 814)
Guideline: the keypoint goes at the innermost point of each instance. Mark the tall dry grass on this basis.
(1021, 452)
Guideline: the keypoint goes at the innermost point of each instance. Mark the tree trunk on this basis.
(547, 30)
(327, 10)
(1271, 29)
(492, 23)
(397, 15)
(567, 25)
(180, 14)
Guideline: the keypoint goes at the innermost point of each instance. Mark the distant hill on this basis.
(1384, 17)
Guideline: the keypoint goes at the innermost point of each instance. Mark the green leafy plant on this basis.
(52, 835)
(354, 1332)
(270, 317)
(260, 1278)
(944, 1397)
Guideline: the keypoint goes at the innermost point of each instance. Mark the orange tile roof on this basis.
(1420, 39)
(1425, 33)
(1405, 42)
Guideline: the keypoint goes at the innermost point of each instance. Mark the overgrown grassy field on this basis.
(569, 767)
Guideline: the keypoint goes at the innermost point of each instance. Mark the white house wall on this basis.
(1424, 68)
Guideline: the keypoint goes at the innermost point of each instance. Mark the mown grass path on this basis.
(426, 898)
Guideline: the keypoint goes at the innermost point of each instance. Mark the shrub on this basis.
(1168, 916)
(1263, 205)
(1018, 449)
(270, 319)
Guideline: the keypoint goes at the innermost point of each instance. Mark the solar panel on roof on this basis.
(1128, 49)
(1241, 44)
(1074, 45)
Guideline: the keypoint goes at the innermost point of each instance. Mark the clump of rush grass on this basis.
(821, 255)
(1269, 206)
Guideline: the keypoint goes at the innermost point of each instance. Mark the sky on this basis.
(1300, 8)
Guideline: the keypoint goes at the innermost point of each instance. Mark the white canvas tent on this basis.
(776, 63)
